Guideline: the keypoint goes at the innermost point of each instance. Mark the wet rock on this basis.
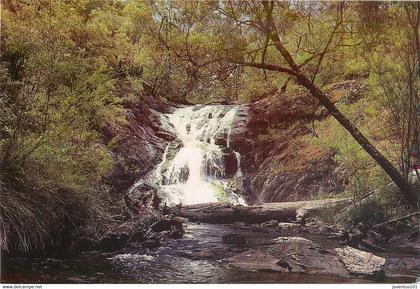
(239, 224)
(143, 197)
(139, 144)
(169, 228)
(361, 263)
(284, 225)
(173, 148)
(355, 236)
(270, 224)
(231, 162)
(84, 244)
(151, 243)
(373, 241)
(221, 141)
(235, 239)
(166, 224)
(130, 231)
(324, 229)
(294, 240)
(288, 228)
(76, 280)
(198, 107)
(295, 255)
(259, 126)
(240, 144)
(401, 264)
(300, 220)
(165, 135)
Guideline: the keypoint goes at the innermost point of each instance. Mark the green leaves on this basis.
(61, 66)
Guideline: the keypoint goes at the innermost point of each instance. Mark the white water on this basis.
(196, 173)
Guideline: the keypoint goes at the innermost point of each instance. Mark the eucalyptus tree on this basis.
(276, 40)
(267, 17)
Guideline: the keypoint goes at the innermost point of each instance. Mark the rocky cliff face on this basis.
(285, 167)
(138, 146)
(278, 162)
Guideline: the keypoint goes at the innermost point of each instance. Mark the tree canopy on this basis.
(62, 63)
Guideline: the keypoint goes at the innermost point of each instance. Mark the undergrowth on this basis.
(37, 217)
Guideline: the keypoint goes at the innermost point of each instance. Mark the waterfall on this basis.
(193, 167)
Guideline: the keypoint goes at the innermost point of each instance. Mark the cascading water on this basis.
(193, 168)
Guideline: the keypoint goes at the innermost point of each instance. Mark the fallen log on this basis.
(224, 213)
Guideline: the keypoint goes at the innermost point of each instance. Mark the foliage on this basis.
(367, 212)
(62, 62)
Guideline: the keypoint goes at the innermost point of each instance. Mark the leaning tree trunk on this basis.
(386, 165)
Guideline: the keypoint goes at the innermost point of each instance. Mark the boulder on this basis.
(270, 224)
(361, 263)
(165, 224)
(231, 162)
(132, 230)
(150, 243)
(294, 240)
(288, 226)
(76, 280)
(295, 255)
(141, 198)
(235, 239)
(84, 244)
(291, 228)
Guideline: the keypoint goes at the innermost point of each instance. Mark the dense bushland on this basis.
(62, 60)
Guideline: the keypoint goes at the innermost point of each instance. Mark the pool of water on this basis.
(196, 258)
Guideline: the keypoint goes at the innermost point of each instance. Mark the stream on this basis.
(199, 166)
(196, 258)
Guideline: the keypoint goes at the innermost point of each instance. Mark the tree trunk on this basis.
(386, 165)
(223, 213)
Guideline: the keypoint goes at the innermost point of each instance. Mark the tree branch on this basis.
(266, 66)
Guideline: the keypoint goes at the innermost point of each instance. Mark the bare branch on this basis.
(266, 66)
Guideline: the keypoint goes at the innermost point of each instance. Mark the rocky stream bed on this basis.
(172, 158)
(269, 252)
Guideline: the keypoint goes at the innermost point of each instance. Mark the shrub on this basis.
(369, 211)
(35, 217)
